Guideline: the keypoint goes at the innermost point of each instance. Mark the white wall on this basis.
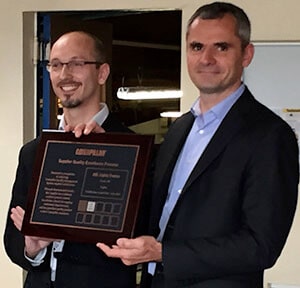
(287, 268)
(276, 20)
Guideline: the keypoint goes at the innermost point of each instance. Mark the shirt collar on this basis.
(100, 117)
(221, 109)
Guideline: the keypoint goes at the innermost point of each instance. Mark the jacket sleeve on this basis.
(14, 242)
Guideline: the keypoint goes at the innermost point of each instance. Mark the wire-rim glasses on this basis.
(72, 65)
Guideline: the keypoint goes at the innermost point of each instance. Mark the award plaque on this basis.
(87, 189)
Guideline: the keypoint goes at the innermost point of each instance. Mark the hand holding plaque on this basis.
(87, 189)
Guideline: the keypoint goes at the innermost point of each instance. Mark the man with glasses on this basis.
(78, 69)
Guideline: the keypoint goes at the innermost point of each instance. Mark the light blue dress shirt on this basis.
(203, 129)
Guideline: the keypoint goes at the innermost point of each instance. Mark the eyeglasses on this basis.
(73, 65)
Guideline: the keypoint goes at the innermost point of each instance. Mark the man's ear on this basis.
(103, 73)
(248, 55)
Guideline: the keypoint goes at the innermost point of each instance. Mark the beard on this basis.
(71, 103)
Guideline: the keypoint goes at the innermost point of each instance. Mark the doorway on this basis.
(144, 47)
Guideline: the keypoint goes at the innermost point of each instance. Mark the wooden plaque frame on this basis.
(87, 189)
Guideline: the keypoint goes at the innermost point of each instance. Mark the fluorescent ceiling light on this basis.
(147, 93)
(171, 114)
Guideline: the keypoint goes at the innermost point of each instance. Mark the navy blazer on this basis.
(236, 209)
(79, 265)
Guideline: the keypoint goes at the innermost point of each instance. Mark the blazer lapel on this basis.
(166, 160)
(170, 149)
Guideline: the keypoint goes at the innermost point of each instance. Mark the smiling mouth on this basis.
(208, 72)
(69, 87)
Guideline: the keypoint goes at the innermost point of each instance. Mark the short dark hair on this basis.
(99, 49)
(100, 53)
(217, 10)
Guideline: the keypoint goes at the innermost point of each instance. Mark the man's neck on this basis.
(79, 115)
(207, 101)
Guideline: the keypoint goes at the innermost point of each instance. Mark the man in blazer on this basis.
(225, 183)
(77, 69)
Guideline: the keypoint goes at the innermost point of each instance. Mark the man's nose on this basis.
(207, 56)
(65, 71)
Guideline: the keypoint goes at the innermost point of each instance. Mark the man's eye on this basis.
(196, 46)
(223, 47)
(55, 65)
(77, 63)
